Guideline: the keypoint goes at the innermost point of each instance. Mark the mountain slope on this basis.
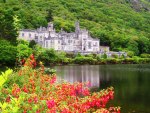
(139, 5)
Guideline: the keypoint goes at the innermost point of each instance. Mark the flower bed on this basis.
(30, 90)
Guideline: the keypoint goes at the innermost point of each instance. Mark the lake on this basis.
(131, 83)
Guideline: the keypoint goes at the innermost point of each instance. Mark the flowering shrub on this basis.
(40, 93)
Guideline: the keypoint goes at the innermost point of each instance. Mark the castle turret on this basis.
(50, 26)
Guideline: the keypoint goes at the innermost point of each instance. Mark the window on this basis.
(69, 41)
(46, 44)
(52, 41)
(22, 34)
(89, 45)
(96, 43)
(59, 47)
(30, 35)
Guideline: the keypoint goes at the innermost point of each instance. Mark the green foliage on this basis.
(16, 24)
(144, 55)
(49, 71)
(130, 53)
(4, 77)
(136, 60)
(133, 46)
(113, 61)
(37, 50)
(84, 60)
(51, 57)
(115, 22)
(115, 56)
(14, 106)
(23, 50)
(104, 56)
(32, 44)
(7, 53)
(70, 55)
(48, 56)
(7, 25)
(102, 61)
(128, 60)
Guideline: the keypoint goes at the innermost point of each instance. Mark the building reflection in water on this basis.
(84, 73)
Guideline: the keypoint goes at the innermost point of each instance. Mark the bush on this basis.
(136, 60)
(32, 44)
(48, 56)
(85, 60)
(78, 60)
(7, 53)
(113, 61)
(23, 51)
(70, 55)
(67, 60)
(114, 56)
(144, 60)
(104, 56)
(144, 55)
(49, 71)
(130, 53)
(128, 61)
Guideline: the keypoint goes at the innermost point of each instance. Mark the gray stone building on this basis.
(78, 41)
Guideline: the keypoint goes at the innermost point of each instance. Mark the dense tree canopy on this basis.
(117, 23)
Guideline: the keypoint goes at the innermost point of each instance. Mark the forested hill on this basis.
(120, 24)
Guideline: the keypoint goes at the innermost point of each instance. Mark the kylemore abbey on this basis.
(78, 41)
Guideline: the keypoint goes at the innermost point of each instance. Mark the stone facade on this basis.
(78, 41)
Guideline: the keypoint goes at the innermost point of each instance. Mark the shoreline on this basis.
(109, 61)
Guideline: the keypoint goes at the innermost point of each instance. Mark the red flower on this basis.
(65, 111)
(32, 56)
(8, 99)
(29, 100)
(25, 89)
(86, 92)
(16, 90)
(50, 103)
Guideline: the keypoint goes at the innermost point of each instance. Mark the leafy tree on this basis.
(133, 46)
(144, 45)
(23, 50)
(7, 53)
(7, 29)
(32, 44)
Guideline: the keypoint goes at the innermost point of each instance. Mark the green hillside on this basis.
(117, 23)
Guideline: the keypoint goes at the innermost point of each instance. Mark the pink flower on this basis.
(50, 103)
(86, 92)
(53, 80)
(65, 111)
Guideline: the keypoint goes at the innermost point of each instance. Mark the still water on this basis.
(131, 83)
